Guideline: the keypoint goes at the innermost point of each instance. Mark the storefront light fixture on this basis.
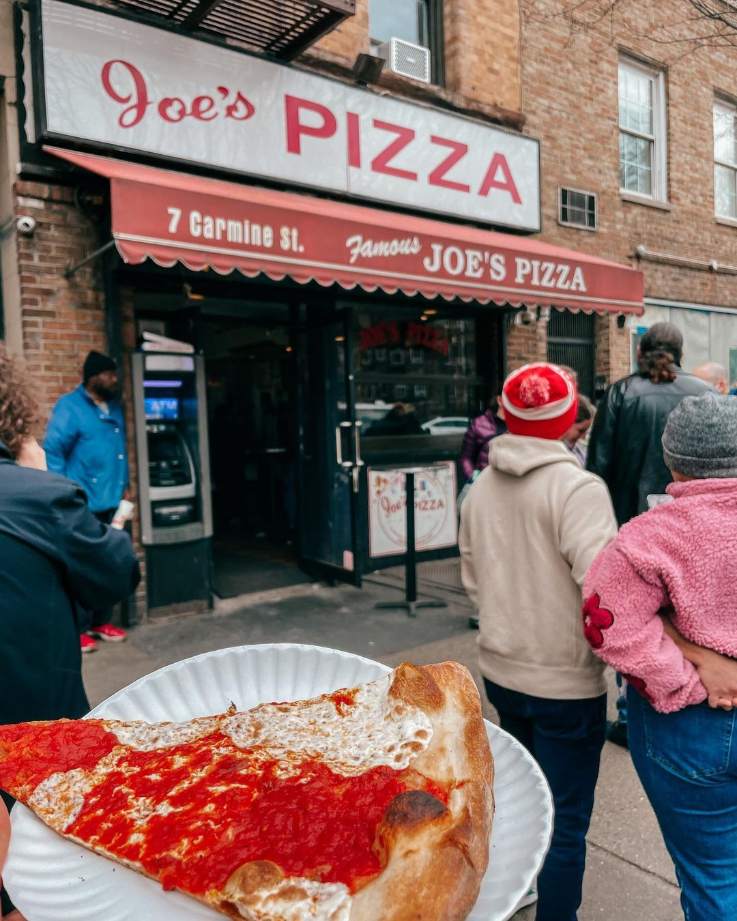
(340, 338)
(431, 312)
(192, 295)
(367, 69)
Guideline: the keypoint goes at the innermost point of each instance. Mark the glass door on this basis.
(329, 446)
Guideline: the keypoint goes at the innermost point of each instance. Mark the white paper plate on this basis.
(51, 879)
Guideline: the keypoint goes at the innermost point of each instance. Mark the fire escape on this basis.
(280, 28)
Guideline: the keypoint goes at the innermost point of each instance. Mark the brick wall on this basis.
(62, 319)
(569, 81)
(481, 60)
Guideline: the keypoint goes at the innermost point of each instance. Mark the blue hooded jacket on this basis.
(88, 446)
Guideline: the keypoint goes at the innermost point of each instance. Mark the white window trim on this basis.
(570, 188)
(720, 101)
(660, 129)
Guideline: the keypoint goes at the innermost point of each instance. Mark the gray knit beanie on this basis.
(700, 437)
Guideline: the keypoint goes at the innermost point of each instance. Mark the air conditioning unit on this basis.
(409, 60)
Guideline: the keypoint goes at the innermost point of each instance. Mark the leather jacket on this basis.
(625, 448)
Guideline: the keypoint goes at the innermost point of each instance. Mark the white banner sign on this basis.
(116, 82)
(436, 520)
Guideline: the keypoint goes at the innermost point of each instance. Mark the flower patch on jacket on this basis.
(595, 620)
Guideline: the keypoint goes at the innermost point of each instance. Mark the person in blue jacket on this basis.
(85, 442)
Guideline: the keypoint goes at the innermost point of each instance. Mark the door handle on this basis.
(339, 445)
(357, 442)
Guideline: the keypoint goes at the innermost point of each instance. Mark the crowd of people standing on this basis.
(626, 563)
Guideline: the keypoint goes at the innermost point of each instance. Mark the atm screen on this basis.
(158, 408)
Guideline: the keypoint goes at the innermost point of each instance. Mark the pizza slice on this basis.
(368, 804)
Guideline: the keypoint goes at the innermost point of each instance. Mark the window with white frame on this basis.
(725, 159)
(642, 130)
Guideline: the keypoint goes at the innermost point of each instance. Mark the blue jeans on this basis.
(566, 738)
(687, 763)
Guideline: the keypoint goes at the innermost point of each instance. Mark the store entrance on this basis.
(252, 424)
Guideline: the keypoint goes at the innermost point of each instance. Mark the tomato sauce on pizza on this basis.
(304, 787)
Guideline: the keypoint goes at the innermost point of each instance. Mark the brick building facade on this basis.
(526, 66)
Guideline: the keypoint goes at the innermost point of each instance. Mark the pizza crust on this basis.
(437, 859)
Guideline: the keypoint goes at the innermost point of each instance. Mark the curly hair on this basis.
(18, 408)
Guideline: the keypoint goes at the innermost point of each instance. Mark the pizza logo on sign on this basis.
(431, 508)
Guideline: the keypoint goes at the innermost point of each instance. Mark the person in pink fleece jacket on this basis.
(657, 599)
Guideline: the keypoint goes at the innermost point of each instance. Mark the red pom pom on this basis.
(534, 390)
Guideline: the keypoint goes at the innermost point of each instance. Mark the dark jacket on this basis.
(476, 442)
(53, 554)
(625, 449)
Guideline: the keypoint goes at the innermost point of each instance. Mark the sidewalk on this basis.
(629, 874)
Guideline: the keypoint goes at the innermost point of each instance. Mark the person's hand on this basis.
(31, 454)
(4, 842)
(718, 674)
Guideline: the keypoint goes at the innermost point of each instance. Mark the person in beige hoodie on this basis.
(531, 526)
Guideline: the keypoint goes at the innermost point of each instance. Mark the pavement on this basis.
(629, 876)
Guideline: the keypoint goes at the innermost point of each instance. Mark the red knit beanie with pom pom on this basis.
(539, 401)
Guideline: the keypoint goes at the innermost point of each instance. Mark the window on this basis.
(577, 209)
(444, 390)
(642, 131)
(572, 342)
(405, 19)
(725, 159)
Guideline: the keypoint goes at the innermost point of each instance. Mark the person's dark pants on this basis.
(566, 738)
(90, 619)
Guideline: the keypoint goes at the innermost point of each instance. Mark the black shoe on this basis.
(473, 623)
(617, 732)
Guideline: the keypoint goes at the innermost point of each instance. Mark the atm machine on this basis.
(173, 475)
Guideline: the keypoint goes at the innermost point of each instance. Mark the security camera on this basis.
(526, 317)
(26, 225)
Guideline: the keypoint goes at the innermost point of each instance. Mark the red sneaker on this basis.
(87, 643)
(108, 633)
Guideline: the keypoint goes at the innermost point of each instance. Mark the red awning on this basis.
(204, 223)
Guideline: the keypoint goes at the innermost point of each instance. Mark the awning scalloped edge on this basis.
(304, 279)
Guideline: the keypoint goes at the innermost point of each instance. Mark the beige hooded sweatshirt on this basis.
(531, 526)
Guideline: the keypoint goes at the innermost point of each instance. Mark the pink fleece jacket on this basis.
(679, 557)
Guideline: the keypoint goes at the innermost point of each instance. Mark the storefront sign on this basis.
(435, 510)
(205, 223)
(119, 83)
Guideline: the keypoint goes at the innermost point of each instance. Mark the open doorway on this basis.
(252, 424)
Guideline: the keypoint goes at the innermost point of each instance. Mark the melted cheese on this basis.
(295, 899)
(375, 730)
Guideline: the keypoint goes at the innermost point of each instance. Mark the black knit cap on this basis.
(96, 363)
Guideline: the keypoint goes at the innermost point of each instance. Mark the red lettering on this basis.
(354, 139)
(172, 109)
(459, 151)
(240, 109)
(138, 98)
(506, 184)
(380, 163)
(296, 128)
(202, 108)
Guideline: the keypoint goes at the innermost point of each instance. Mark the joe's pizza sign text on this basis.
(116, 82)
